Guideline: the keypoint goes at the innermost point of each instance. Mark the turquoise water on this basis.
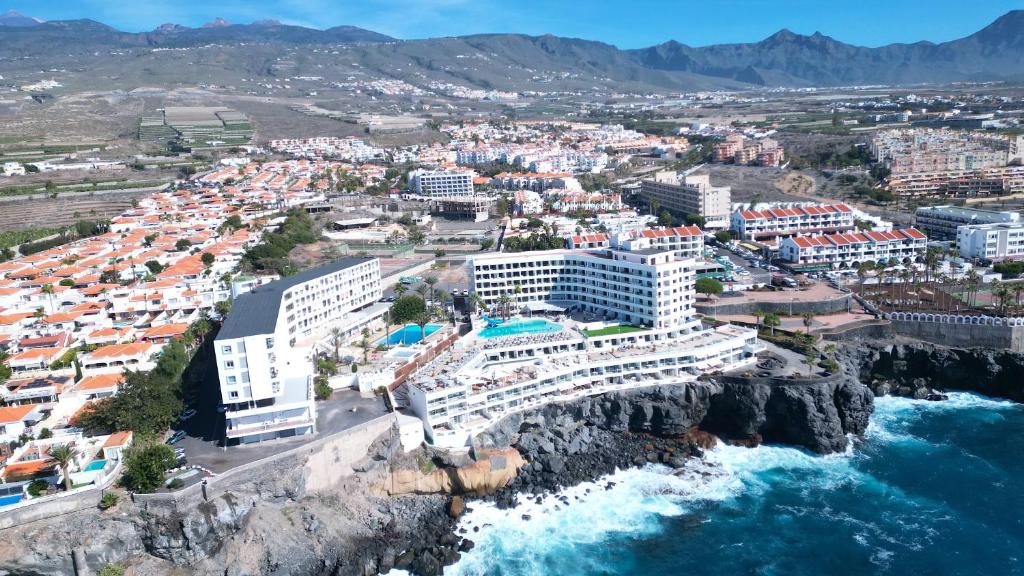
(8, 500)
(409, 334)
(517, 327)
(95, 465)
(933, 488)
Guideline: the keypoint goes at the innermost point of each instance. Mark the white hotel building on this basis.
(647, 295)
(442, 183)
(1001, 241)
(264, 348)
(842, 251)
(942, 222)
(774, 223)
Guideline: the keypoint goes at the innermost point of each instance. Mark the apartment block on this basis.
(848, 251)
(693, 194)
(263, 350)
(997, 241)
(774, 223)
(942, 222)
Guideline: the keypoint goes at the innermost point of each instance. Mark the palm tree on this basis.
(431, 281)
(337, 337)
(387, 329)
(808, 321)
(506, 302)
(400, 289)
(758, 315)
(771, 320)
(421, 320)
(64, 455)
(422, 290)
(48, 290)
(364, 343)
(478, 302)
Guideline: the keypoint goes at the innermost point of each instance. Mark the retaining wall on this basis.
(57, 504)
(724, 307)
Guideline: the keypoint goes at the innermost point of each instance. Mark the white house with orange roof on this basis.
(850, 250)
(14, 420)
(99, 385)
(34, 360)
(118, 357)
(684, 241)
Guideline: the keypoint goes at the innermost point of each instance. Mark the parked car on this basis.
(187, 414)
(176, 437)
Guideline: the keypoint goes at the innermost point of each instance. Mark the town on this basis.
(304, 287)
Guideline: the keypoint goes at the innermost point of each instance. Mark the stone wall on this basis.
(963, 335)
(58, 504)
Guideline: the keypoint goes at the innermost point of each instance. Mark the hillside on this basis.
(507, 61)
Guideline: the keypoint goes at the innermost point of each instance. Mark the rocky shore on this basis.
(400, 510)
(916, 369)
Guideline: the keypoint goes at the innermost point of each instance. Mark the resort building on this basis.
(683, 241)
(624, 320)
(771, 224)
(441, 182)
(650, 287)
(692, 195)
(841, 251)
(264, 349)
(999, 241)
(942, 222)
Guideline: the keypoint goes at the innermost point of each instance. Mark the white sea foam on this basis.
(634, 501)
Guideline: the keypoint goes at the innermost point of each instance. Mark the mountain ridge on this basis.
(785, 58)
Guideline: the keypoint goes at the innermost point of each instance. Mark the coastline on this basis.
(272, 526)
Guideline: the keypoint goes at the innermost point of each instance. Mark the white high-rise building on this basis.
(264, 348)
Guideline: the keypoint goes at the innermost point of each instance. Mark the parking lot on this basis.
(203, 443)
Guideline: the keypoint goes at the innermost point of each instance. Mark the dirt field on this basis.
(771, 184)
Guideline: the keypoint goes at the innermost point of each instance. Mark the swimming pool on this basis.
(95, 465)
(521, 327)
(409, 334)
(8, 500)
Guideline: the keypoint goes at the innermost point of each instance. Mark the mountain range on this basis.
(783, 59)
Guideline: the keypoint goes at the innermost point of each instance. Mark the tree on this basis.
(145, 466)
(808, 319)
(387, 329)
(421, 320)
(723, 236)
(207, 259)
(364, 343)
(664, 218)
(154, 266)
(48, 290)
(810, 356)
(422, 290)
(431, 281)
(709, 287)
(182, 244)
(337, 337)
(758, 316)
(406, 309)
(222, 308)
(505, 301)
(64, 455)
(486, 243)
(772, 320)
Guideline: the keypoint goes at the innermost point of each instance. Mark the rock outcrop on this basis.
(918, 369)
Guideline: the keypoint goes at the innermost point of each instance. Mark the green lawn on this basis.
(609, 330)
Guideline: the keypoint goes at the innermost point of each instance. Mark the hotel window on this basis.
(231, 380)
(229, 364)
(233, 394)
(226, 349)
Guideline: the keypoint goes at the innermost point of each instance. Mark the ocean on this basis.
(932, 488)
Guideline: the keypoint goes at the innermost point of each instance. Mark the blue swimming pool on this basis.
(409, 334)
(8, 500)
(95, 465)
(517, 327)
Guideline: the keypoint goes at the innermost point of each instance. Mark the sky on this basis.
(624, 23)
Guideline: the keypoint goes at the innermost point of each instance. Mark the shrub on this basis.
(109, 500)
(37, 487)
(111, 570)
(175, 484)
(45, 433)
(145, 467)
(322, 390)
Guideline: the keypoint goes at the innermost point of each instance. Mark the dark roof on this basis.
(256, 312)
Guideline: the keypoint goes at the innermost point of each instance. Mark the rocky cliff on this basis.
(909, 367)
(398, 509)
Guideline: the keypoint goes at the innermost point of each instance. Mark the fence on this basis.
(961, 331)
